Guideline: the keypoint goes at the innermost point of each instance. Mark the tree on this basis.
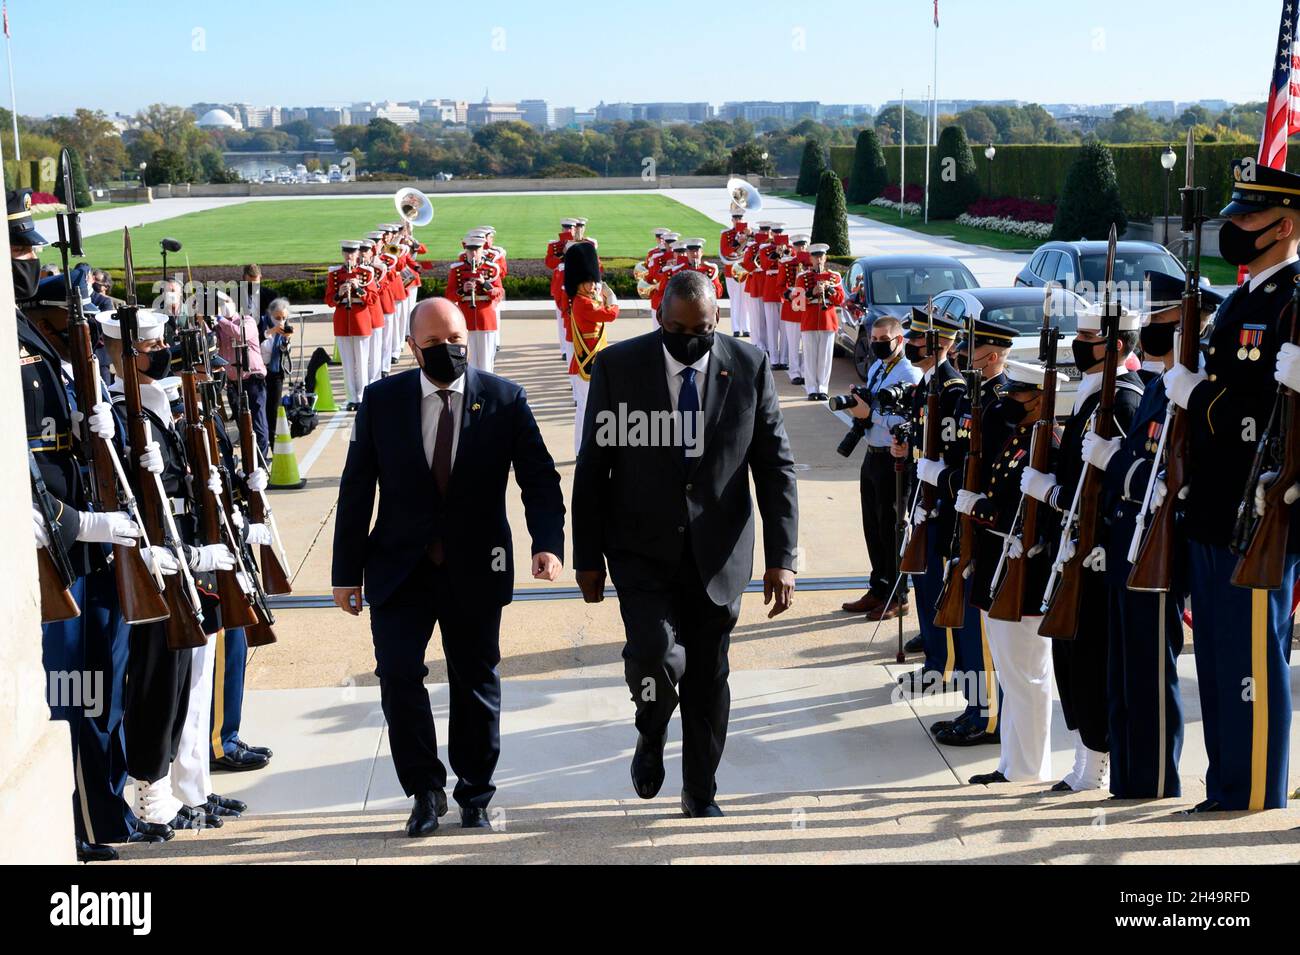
(1090, 199)
(869, 176)
(166, 166)
(954, 182)
(80, 189)
(914, 127)
(979, 128)
(830, 217)
(750, 158)
(810, 168)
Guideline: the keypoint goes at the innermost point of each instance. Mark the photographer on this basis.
(276, 332)
(887, 378)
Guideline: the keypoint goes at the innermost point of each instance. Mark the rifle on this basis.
(913, 560)
(1260, 540)
(275, 579)
(1009, 594)
(185, 614)
(950, 608)
(1063, 596)
(139, 590)
(1152, 549)
(52, 562)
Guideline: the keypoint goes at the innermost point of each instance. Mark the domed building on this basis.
(218, 119)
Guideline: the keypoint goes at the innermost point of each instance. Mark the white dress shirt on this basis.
(881, 375)
(674, 370)
(431, 410)
(1264, 276)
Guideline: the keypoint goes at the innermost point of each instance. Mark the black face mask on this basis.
(27, 276)
(160, 363)
(883, 350)
(913, 353)
(1237, 245)
(687, 349)
(445, 362)
(1085, 354)
(1157, 339)
(1014, 411)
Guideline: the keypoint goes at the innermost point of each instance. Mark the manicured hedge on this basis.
(26, 174)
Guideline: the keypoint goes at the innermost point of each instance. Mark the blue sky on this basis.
(300, 53)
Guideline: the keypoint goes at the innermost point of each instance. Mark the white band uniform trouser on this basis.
(1023, 661)
(580, 388)
(559, 328)
(792, 335)
(818, 350)
(354, 352)
(773, 337)
(376, 343)
(754, 318)
(191, 773)
(483, 350)
(739, 314)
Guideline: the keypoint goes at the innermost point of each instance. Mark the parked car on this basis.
(890, 285)
(1081, 266)
(1022, 309)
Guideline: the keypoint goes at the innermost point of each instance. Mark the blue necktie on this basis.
(688, 407)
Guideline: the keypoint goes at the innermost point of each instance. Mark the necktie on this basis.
(688, 406)
(441, 466)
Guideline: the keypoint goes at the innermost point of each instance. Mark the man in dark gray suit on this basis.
(677, 421)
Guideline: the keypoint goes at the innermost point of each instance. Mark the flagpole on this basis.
(935, 85)
(13, 97)
(902, 146)
(925, 217)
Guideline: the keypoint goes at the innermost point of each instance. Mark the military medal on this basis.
(1251, 337)
(1153, 435)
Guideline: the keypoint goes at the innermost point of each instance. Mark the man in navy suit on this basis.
(439, 443)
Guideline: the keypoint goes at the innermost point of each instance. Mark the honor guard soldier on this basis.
(753, 286)
(554, 259)
(591, 306)
(1146, 627)
(794, 262)
(731, 246)
(769, 260)
(1241, 635)
(1080, 664)
(820, 292)
(475, 287)
(1021, 658)
(935, 673)
(349, 292)
(91, 645)
(986, 353)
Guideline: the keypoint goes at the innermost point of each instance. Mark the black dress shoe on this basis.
(736, 335)
(966, 734)
(915, 645)
(797, 380)
(95, 852)
(423, 820)
(191, 817)
(1062, 787)
(475, 818)
(780, 367)
(985, 779)
(941, 726)
(352, 406)
(693, 808)
(240, 761)
(648, 766)
(1205, 805)
(151, 832)
(224, 806)
(260, 750)
(922, 681)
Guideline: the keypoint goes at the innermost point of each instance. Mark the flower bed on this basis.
(910, 208)
(1008, 226)
(1021, 210)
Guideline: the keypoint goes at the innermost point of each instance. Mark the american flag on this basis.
(936, 12)
(1283, 117)
(5, 7)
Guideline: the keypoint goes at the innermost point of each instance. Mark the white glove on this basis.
(161, 559)
(1037, 484)
(1288, 366)
(259, 534)
(966, 501)
(38, 528)
(1159, 493)
(1098, 451)
(1180, 383)
(107, 527)
(929, 471)
(919, 514)
(214, 482)
(257, 481)
(1016, 549)
(151, 460)
(101, 421)
(209, 557)
(1265, 481)
(1067, 553)
(237, 516)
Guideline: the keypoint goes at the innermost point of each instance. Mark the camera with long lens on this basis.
(844, 402)
(891, 400)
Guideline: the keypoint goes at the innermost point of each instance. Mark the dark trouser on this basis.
(85, 658)
(1080, 666)
(401, 628)
(1146, 712)
(1242, 642)
(157, 696)
(274, 389)
(940, 642)
(975, 670)
(255, 389)
(231, 649)
(663, 628)
(876, 484)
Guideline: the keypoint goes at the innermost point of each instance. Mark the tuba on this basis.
(413, 206)
(744, 197)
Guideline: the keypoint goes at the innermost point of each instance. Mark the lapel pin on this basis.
(475, 406)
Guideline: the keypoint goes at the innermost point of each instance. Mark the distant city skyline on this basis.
(839, 51)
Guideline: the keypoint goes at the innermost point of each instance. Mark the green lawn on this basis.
(309, 230)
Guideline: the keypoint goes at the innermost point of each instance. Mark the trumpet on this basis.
(393, 250)
(640, 270)
(738, 271)
(645, 288)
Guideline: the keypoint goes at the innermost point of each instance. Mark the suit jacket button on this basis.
(690, 487)
(681, 529)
